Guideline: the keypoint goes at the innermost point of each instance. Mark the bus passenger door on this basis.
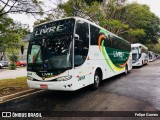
(81, 48)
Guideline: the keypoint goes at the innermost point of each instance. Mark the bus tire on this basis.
(142, 64)
(97, 80)
(126, 70)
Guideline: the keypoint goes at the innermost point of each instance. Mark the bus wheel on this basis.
(126, 70)
(142, 64)
(97, 80)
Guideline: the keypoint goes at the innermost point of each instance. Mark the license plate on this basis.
(43, 86)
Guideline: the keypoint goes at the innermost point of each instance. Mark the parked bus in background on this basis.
(152, 56)
(71, 53)
(139, 54)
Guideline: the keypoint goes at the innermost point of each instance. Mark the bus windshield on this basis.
(50, 46)
(134, 56)
(135, 53)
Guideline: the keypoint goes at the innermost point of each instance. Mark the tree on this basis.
(21, 6)
(11, 34)
(80, 8)
(89, 2)
(132, 21)
(141, 18)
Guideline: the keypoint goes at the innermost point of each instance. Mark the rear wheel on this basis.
(0, 67)
(97, 79)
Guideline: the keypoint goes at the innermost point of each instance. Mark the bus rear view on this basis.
(139, 54)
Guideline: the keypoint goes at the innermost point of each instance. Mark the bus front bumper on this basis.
(136, 64)
(68, 85)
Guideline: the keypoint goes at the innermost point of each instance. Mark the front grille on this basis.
(45, 80)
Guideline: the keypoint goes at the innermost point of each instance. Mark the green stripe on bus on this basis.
(103, 52)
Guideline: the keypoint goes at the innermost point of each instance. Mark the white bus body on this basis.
(93, 54)
(152, 56)
(139, 54)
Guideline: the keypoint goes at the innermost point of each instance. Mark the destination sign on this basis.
(57, 27)
(48, 30)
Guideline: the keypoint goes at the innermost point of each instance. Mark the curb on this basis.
(18, 95)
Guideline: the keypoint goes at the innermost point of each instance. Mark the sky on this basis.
(153, 4)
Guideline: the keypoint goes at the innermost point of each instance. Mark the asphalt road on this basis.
(138, 91)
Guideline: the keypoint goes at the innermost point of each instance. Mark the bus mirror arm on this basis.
(22, 49)
(76, 36)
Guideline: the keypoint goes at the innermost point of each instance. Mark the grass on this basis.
(10, 86)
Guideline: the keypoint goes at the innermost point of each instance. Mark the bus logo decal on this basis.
(109, 61)
(99, 41)
(81, 78)
(118, 54)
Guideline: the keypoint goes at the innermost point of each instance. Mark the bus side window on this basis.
(81, 43)
(94, 35)
(107, 42)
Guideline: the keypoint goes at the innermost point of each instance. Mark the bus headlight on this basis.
(29, 78)
(64, 78)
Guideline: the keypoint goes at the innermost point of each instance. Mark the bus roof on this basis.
(150, 51)
(78, 18)
(138, 44)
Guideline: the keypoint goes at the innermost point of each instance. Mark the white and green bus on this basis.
(139, 55)
(71, 53)
(152, 56)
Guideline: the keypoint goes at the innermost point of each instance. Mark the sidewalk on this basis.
(19, 72)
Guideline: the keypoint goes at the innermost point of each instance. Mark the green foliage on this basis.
(39, 21)
(140, 17)
(136, 32)
(132, 21)
(13, 58)
(154, 47)
(11, 34)
(5, 21)
(12, 66)
(89, 2)
(80, 8)
(73, 7)
(93, 12)
(115, 26)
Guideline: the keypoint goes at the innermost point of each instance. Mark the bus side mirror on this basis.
(22, 49)
(76, 36)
